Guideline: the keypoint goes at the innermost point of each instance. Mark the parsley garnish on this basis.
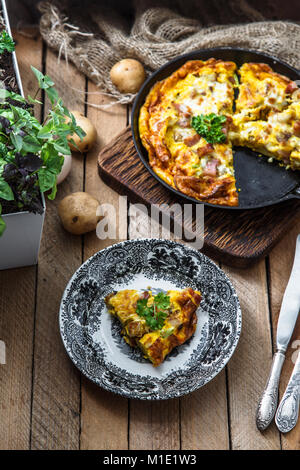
(6, 42)
(156, 313)
(210, 127)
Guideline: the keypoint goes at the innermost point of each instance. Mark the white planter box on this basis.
(20, 242)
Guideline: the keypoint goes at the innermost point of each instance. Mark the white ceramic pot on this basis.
(20, 242)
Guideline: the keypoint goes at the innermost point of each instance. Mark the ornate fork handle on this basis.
(268, 401)
(288, 410)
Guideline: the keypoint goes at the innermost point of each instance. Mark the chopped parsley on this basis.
(210, 126)
(156, 313)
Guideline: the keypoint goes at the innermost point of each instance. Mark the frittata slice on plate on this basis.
(155, 323)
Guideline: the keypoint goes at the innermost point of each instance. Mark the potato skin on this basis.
(128, 75)
(77, 213)
(89, 139)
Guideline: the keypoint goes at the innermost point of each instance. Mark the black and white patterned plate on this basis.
(92, 337)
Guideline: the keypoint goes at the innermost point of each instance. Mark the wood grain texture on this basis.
(154, 425)
(281, 262)
(250, 365)
(16, 330)
(104, 416)
(56, 384)
(204, 417)
(237, 238)
(17, 304)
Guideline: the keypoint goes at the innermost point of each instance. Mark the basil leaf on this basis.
(54, 163)
(62, 147)
(47, 179)
(17, 141)
(5, 191)
(44, 81)
(53, 192)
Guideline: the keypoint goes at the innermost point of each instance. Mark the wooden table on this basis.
(45, 403)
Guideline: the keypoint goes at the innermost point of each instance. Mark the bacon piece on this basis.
(283, 136)
(161, 150)
(291, 87)
(193, 140)
(296, 128)
(183, 110)
(208, 148)
(211, 167)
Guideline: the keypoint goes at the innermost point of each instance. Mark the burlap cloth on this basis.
(95, 39)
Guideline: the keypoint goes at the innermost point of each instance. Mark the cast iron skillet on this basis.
(261, 183)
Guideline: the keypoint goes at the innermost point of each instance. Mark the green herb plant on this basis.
(210, 126)
(6, 42)
(32, 154)
(156, 313)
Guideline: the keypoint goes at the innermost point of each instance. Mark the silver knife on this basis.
(287, 318)
(288, 410)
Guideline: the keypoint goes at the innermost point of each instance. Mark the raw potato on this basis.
(88, 140)
(128, 75)
(77, 213)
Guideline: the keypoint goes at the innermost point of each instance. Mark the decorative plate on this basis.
(92, 337)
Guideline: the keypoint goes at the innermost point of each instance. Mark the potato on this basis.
(88, 140)
(128, 75)
(77, 213)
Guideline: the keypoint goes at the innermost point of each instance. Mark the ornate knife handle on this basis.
(268, 401)
(288, 410)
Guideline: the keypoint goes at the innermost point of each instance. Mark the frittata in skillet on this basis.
(155, 323)
(190, 121)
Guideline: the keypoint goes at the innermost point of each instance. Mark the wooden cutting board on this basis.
(236, 238)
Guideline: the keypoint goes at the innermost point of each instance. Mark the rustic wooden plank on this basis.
(17, 288)
(154, 425)
(235, 238)
(56, 384)
(17, 303)
(104, 416)
(281, 261)
(204, 417)
(250, 364)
